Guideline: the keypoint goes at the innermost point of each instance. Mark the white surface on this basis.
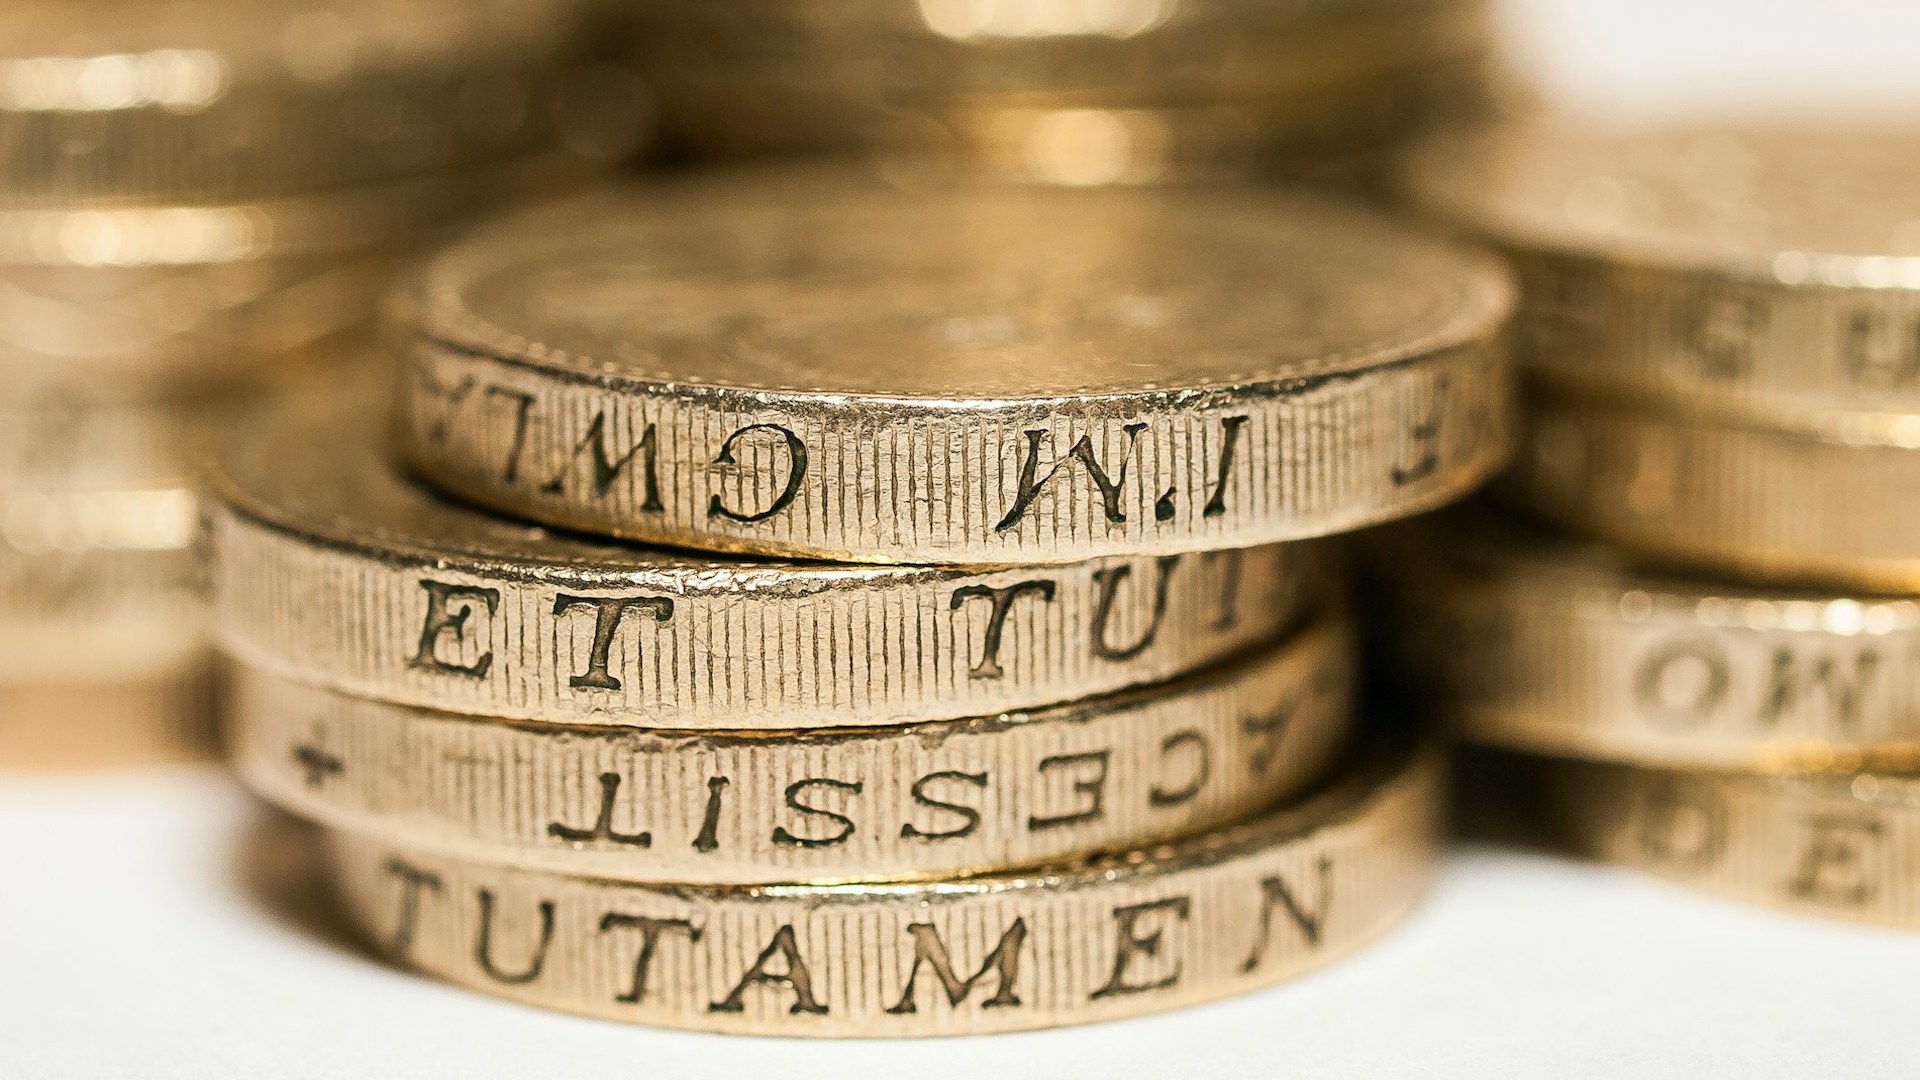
(1717, 57)
(130, 948)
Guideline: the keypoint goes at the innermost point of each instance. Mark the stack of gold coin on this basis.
(1717, 681)
(199, 203)
(1072, 92)
(992, 678)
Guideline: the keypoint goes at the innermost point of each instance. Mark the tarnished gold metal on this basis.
(1527, 640)
(1839, 845)
(850, 804)
(1728, 494)
(794, 75)
(1218, 914)
(805, 364)
(164, 101)
(331, 567)
(1771, 269)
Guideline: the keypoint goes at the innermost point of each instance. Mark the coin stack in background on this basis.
(1722, 334)
(200, 204)
(1059, 728)
(1073, 92)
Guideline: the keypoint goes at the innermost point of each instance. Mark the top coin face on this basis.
(827, 368)
(1771, 268)
(184, 100)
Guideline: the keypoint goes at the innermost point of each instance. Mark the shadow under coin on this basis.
(280, 865)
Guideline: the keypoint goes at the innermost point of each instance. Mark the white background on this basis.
(135, 940)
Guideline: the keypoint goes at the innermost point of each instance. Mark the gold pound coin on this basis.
(331, 567)
(185, 101)
(1770, 269)
(1301, 140)
(1835, 845)
(849, 804)
(98, 582)
(103, 645)
(800, 364)
(140, 301)
(1219, 914)
(104, 613)
(1559, 647)
(71, 441)
(1083, 147)
(787, 76)
(1729, 494)
(144, 331)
